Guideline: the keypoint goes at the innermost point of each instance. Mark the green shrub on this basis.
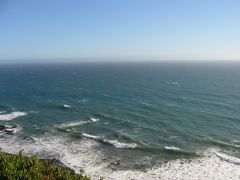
(31, 168)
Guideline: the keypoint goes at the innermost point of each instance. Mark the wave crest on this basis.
(93, 119)
(114, 143)
(90, 136)
(118, 144)
(66, 106)
(77, 123)
(71, 124)
(172, 148)
(11, 116)
(228, 158)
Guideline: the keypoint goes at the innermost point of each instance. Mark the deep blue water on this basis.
(127, 115)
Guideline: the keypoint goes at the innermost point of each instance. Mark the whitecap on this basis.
(66, 106)
(172, 148)
(236, 141)
(77, 123)
(90, 136)
(114, 143)
(73, 123)
(118, 144)
(11, 116)
(93, 119)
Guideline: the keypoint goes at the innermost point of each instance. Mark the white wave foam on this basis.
(90, 136)
(236, 141)
(207, 167)
(114, 143)
(11, 116)
(228, 158)
(93, 119)
(77, 123)
(2, 112)
(171, 148)
(71, 124)
(66, 106)
(118, 144)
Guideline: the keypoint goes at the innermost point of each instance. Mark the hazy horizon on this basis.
(116, 60)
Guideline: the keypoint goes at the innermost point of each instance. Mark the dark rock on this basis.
(2, 127)
(7, 129)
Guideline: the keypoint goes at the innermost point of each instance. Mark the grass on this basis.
(31, 168)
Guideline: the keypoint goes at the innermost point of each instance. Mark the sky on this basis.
(119, 29)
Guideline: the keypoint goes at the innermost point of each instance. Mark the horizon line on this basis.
(111, 59)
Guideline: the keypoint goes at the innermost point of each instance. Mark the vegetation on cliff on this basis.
(20, 167)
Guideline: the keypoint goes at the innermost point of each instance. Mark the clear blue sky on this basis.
(160, 29)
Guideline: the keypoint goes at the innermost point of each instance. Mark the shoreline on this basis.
(212, 164)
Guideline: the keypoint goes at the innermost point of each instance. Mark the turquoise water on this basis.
(111, 117)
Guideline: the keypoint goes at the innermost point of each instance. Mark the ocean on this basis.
(124, 120)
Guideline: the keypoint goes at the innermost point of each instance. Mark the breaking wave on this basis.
(77, 123)
(91, 136)
(171, 148)
(114, 143)
(72, 124)
(66, 106)
(11, 116)
(93, 119)
(228, 158)
(118, 144)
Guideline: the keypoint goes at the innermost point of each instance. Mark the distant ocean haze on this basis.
(126, 120)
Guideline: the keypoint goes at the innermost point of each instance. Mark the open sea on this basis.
(126, 120)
